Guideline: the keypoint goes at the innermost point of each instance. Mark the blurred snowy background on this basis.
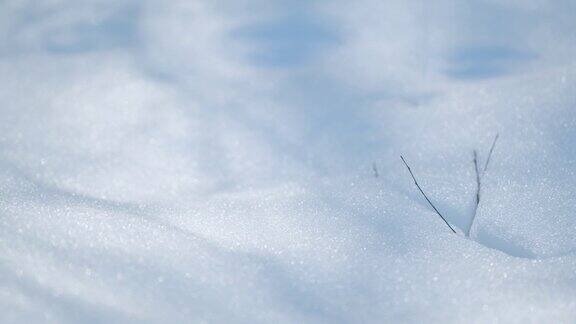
(211, 161)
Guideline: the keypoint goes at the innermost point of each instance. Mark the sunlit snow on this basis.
(214, 161)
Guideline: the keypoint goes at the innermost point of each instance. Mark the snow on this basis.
(211, 161)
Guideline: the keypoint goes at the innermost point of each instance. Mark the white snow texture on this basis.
(211, 161)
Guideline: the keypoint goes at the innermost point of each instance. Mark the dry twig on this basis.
(423, 194)
(478, 188)
(491, 150)
(375, 169)
(479, 181)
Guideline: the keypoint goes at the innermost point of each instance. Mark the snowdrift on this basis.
(211, 161)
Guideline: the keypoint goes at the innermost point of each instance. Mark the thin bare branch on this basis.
(375, 169)
(423, 194)
(478, 183)
(478, 189)
(490, 154)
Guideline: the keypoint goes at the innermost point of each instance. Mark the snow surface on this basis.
(211, 161)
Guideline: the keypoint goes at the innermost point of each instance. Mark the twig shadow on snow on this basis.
(492, 241)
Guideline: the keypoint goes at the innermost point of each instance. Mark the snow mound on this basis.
(200, 161)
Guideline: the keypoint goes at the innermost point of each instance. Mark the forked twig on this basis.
(479, 181)
(423, 194)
